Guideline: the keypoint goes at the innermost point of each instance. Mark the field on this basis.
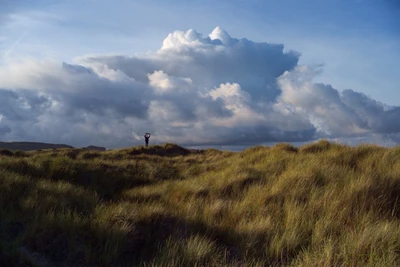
(322, 204)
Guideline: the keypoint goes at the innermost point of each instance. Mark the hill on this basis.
(27, 146)
(322, 204)
(95, 148)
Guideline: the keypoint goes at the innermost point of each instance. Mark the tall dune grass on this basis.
(322, 204)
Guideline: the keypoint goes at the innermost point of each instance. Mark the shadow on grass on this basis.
(151, 234)
(107, 180)
(239, 187)
(167, 150)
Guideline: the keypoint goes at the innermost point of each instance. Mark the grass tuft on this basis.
(6, 152)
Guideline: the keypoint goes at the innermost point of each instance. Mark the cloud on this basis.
(210, 61)
(335, 114)
(195, 90)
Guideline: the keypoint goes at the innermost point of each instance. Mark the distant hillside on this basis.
(27, 146)
(95, 148)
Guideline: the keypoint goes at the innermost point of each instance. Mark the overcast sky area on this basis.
(200, 73)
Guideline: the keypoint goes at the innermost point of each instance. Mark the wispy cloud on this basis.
(10, 49)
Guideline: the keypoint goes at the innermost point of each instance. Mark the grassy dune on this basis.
(323, 204)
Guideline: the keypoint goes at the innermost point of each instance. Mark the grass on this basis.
(322, 204)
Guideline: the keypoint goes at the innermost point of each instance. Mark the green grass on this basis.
(322, 204)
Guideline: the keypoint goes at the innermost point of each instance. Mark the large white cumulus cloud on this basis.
(213, 90)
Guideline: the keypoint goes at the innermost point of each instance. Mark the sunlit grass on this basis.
(322, 204)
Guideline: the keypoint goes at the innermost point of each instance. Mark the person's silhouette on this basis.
(146, 138)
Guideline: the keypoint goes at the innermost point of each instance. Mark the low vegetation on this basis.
(322, 204)
(28, 146)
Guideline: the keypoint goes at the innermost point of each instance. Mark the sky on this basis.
(199, 73)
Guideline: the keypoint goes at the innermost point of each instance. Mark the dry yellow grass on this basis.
(323, 204)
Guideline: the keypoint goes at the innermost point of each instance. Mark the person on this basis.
(146, 138)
